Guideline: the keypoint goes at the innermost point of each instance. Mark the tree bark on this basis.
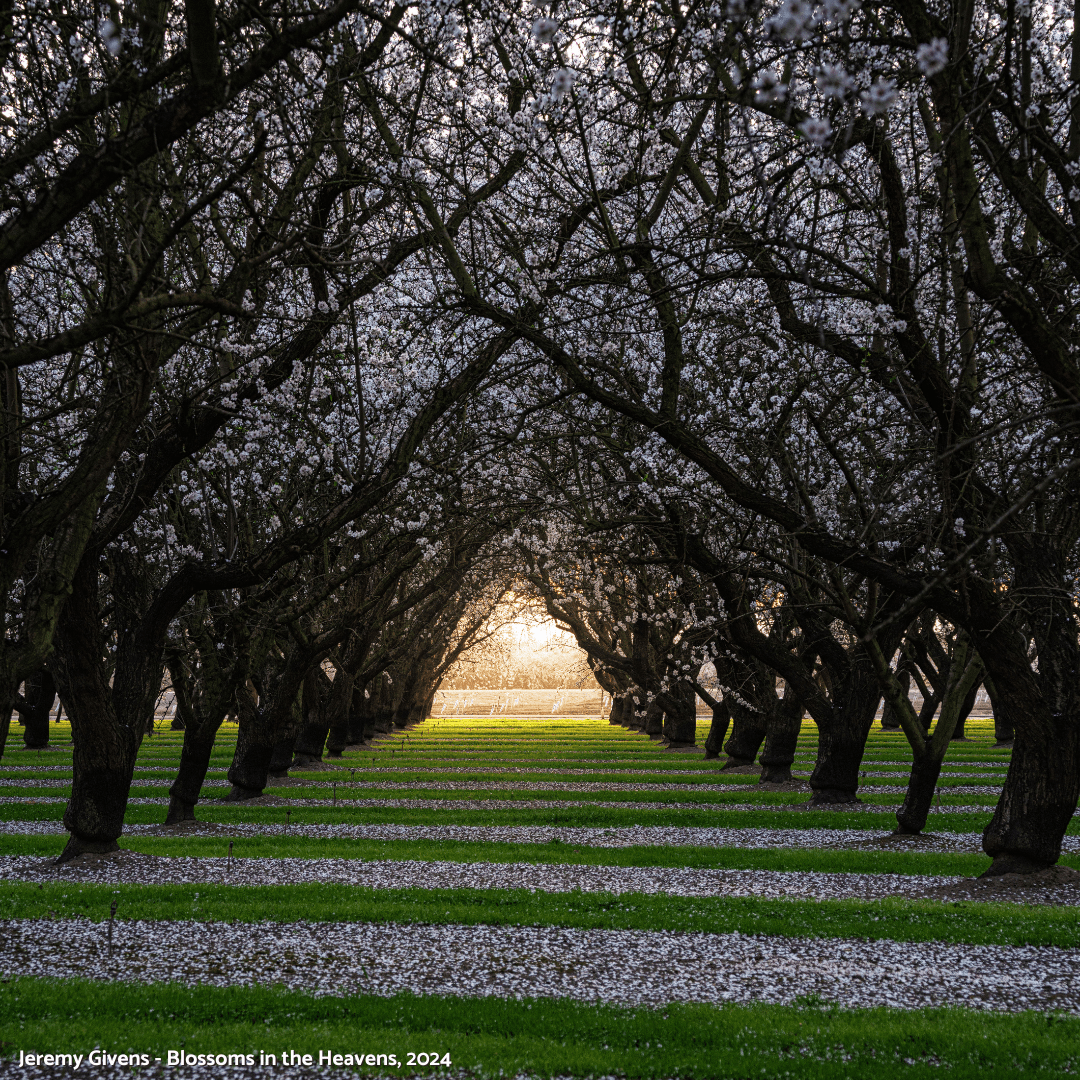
(276, 718)
(654, 720)
(359, 717)
(721, 718)
(747, 735)
(680, 720)
(842, 740)
(312, 739)
(966, 706)
(919, 796)
(339, 714)
(783, 725)
(1042, 786)
(190, 777)
(107, 722)
(40, 693)
(889, 720)
(622, 708)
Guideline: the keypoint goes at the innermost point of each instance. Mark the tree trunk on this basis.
(338, 710)
(965, 711)
(842, 739)
(40, 693)
(382, 705)
(889, 720)
(721, 718)
(277, 719)
(680, 720)
(282, 756)
(309, 745)
(919, 797)
(622, 708)
(783, 725)
(654, 720)
(358, 716)
(190, 777)
(107, 722)
(399, 708)
(1042, 786)
(747, 735)
(251, 757)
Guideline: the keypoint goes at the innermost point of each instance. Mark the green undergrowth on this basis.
(890, 919)
(494, 1037)
(569, 816)
(708, 801)
(821, 860)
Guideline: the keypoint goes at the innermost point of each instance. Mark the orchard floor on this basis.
(534, 896)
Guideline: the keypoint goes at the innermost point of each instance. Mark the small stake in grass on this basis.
(112, 917)
(288, 815)
(228, 861)
(335, 794)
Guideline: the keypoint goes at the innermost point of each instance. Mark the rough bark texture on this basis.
(40, 693)
(654, 720)
(680, 720)
(1042, 786)
(782, 727)
(251, 758)
(194, 761)
(276, 719)
(842, 740)
(312, 738)
(919, 797)
(721, 718)
(107, 721)
(747, 735)
(889, 720)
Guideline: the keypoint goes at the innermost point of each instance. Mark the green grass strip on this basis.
(821, 860)
(585, 817)
(493, 1037)
(891, 919)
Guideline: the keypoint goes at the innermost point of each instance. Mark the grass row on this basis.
(596, 816)
(888, 920)
(496, 1037)
(555, 852)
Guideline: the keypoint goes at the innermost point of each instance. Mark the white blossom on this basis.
(932, 56)
(794, 21)
(769, 88)
(544, 30)
(880, 97)
(816, 130)
(833, 81)
(562, 84)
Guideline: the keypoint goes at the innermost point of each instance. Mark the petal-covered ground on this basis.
(495, 809)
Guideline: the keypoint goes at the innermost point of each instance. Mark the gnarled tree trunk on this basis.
(39, 694)
(747, 735)
(680, 719)
(783, 725)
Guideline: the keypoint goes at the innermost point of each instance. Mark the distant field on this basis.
(520, 703)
